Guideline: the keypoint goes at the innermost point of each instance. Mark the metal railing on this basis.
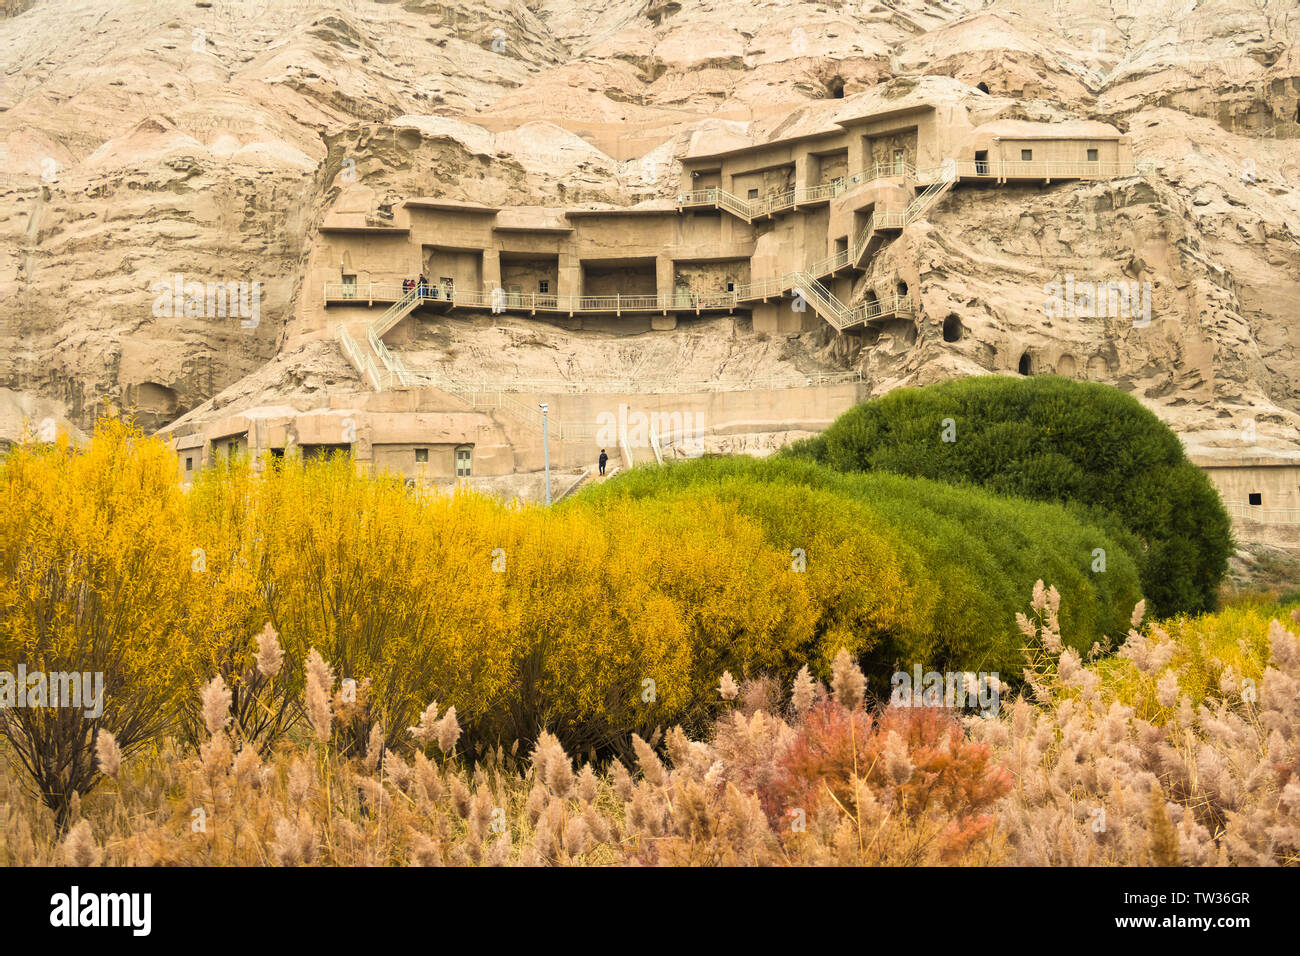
(396, 370)
(623, 443)
(643, 387)
(1044, 169)
(1000, 170)
(1249, 512)
(540, 302)
(715, 196)
(893, 304)
(362, 362)
(795, 195)
(883, 219)
(364, 292)
(370, 292)
(925, 199)
(840, 260)
(390, 372)
(654, 444)
(396, 312)
(496, 398)
(823, 300)
(896, 170)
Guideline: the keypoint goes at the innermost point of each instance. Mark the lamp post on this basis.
(546, 449)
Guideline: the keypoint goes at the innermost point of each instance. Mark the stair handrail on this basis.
(391, 362)
(363, 363)
(623, 443)
(654, 443)
(396, 312)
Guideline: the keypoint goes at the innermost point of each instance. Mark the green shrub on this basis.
(970, 556)
(1053, 439)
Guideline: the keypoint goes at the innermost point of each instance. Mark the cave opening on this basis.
(952, 330)
(835, 88)
(982, 87)
(1024, 364)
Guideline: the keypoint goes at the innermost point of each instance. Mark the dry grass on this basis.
(1067, 775)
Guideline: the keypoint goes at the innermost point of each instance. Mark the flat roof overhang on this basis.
(367, 230)
(627, 211)
(223, 432)
(884, 115)
(1076, 138)
(756, 147)
(1280, 460)
(620, 261)
(808, 137)
(551, 229)
(451, 205)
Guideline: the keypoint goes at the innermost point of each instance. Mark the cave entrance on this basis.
(1025, 365)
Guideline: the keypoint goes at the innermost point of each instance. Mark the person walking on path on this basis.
(603, 458)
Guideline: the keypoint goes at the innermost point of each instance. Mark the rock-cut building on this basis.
(787, 230)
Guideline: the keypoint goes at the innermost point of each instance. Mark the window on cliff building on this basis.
(731, 286)
(752, 194)
(1026, 155)
(1256, 498)
(189, 464)
(1093, 155)
(982, 87)
(421, 456)
(544, 286)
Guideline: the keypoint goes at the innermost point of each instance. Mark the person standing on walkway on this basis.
(603, 458)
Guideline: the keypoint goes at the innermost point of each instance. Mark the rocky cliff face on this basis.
(142, 140)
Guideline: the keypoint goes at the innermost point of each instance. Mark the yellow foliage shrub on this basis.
(590, 621)
(94, 580)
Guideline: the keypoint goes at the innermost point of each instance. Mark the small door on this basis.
(464, 462)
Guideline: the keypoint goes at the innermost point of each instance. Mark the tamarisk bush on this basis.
(94, 582)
